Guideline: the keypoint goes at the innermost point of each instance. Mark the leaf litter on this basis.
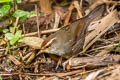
(100, 56)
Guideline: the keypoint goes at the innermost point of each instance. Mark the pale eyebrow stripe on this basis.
(50, 41)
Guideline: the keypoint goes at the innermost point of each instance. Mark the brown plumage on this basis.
(69, 40)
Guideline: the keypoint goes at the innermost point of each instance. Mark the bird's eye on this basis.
(48, 46)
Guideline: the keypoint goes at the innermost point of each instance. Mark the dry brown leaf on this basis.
(76, 4)
(34, 42)
(72, 6)
(14, 60)
(69, 14)
(105, 51)
(31, 57)
(94, 3)
(57, 21)
(100, 28)
(3, 41)
(93, 61)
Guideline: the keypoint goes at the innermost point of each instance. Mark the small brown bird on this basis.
(69, 40)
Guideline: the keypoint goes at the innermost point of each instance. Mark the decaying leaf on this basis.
(34, 42)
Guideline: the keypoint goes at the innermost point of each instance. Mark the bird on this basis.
(69, 40)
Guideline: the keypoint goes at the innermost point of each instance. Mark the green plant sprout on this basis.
(14, 38)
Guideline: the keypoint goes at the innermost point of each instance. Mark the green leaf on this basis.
(14, 40)
(21, 39)
(27, 16)
(23, 14)
(0, 77)
(18, 33)
(4, 10)
(9, 36)
(33, 12)
(23, 18)
(19, 13)
(19, 1)
(11, 29)
(119, 44)
(1, 13)
(16, 37)
(5, 30)
(3, 1)
(17, 27)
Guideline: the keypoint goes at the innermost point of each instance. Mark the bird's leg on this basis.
(59, 62)
(66, 64)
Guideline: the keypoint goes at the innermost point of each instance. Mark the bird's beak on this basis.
(40, 52)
